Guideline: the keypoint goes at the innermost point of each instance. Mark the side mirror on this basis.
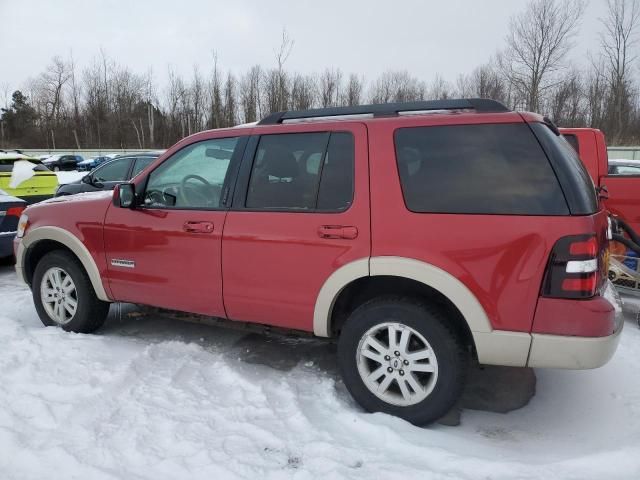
(124, 195)
(87, 179)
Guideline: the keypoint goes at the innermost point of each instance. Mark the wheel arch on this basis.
(41, 240)
(404, 268)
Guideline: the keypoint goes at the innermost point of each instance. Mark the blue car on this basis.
(91, 163)
(10, 210)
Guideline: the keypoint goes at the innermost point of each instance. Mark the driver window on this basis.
(193, 177)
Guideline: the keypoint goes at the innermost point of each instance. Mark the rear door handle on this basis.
(338, 231)
(198, 227)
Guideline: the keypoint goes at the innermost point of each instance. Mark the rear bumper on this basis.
(574, 352)
(555, 351)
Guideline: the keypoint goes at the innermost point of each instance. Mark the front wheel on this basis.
(63, 294)
(397, 356)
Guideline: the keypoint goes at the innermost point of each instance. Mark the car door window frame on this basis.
(246, 168)
(228, 185)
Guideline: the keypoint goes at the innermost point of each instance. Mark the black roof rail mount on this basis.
(481, 105)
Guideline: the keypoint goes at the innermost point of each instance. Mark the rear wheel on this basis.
(397, 356)
(63, 294)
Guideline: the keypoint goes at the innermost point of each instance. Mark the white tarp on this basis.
(22, 171)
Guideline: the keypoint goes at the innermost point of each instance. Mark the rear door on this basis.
(301, 211)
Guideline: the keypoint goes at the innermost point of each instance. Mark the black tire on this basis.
(428, 321)
(91, 312)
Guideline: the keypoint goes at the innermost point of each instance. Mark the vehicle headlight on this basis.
(23, 223)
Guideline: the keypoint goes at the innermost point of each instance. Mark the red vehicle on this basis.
(623, 190)
(422, 235)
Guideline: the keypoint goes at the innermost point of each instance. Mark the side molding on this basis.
(72, 243)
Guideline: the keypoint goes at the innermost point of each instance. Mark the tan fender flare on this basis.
(492, 346)
(70, 241)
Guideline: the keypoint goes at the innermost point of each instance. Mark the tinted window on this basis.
(115, 171)
(303, 171)
(625, 170)
(576, 182)
(286, 171)
(484, 169)
(336, 183)
(193, 177)
(8, 167)
(141, 163)
(573, 141)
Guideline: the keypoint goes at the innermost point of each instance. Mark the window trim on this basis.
(246, 169)
(535, 138)
(229, 181)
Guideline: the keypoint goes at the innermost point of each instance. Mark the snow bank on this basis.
(151, 398)
(68, 177)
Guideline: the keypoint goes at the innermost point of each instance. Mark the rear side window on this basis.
(115, 171)
(477, 169)
(302, 172)
(141, 164)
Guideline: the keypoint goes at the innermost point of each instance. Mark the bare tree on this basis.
(538, 41)
(396, 86)
(352, 94)
(303, 92)
(215, 96)
(618, 42)
(329, 86)
(250, 94)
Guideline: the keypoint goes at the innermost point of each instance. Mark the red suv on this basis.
(423, 236)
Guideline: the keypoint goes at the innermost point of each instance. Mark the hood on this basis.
(80, 197)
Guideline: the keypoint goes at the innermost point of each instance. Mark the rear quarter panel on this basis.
(500, 258)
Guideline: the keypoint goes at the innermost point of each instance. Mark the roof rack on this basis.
(481, 105)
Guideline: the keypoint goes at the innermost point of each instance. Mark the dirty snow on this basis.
(154, 398)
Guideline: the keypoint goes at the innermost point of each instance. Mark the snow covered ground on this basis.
(161, 399)
(71, 176)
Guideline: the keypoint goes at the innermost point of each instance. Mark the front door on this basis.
(166, 252)
(301, 211)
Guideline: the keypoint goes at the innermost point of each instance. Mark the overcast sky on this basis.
(365, 37)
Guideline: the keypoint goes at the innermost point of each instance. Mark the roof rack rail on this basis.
(482, 105)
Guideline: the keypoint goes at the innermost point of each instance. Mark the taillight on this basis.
(15, 211)
(575, 268)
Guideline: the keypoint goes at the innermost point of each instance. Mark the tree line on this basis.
(107, 105)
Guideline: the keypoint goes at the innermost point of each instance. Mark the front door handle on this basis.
(338, 231)
(198, 227)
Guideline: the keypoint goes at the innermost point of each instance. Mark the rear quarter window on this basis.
(477, 169)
